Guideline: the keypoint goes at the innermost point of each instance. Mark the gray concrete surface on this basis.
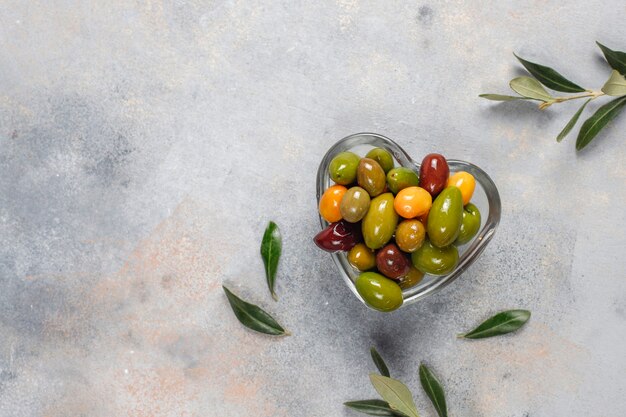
(145, 145)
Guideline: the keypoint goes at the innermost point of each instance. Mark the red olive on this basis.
(392, 262)
(434, 173)
(339, 236)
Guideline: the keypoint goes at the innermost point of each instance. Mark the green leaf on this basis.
(568, 127)
(550, 78)
(379, 362)
(374, 408)
(529, 88)
(501, 323)
(432, 388)
(616, 85)
(395, 393)
(616, 59)
(500, 97)
(271, 247)
(253, 317)
(598, 121)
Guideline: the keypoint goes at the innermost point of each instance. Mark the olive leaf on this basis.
(432, 387)
(529, 88)
(500, 97)
(501, 323)
(598, 121)
(271, 247)
(254, 317)
(550, 78)
(568, 127)
(616, 59)
(395, 393)
(616, 85)
(379, 362)
(374, 408)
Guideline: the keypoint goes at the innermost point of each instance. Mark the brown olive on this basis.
(371, 176)
(434, 173)
(392, 262)
(410, 235)
(340, 236)
(411, 279)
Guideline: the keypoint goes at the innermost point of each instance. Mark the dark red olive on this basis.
(434, 173)
(392, 262)
(339, 236)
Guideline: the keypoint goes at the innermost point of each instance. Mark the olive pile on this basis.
(396, 225)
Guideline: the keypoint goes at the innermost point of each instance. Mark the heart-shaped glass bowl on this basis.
(486, 198)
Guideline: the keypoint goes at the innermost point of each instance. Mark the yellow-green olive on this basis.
(379, 292)
(380, 222)
(445, 217)
(342, 168)
(470, 224)
(361, 257)
(435, 261)
(400, 178)
(383, 157)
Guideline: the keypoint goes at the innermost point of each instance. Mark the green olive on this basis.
(445, 217)
(411, 279)
(435, 261)
(361, 257)
(342, 168)
(470, 224)
(380, 221)
(379, 292)
(410, 235)
(354, 204)
(370, 176)
(383, 157)
(401, 177)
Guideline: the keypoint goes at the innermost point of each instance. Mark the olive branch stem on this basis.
(591, 94)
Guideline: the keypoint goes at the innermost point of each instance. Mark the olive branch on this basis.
(530, 88)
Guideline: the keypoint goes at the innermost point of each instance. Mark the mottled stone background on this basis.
(144, 146)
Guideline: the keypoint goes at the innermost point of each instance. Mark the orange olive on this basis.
(465, 182)
(412, 202)
(329, 203)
